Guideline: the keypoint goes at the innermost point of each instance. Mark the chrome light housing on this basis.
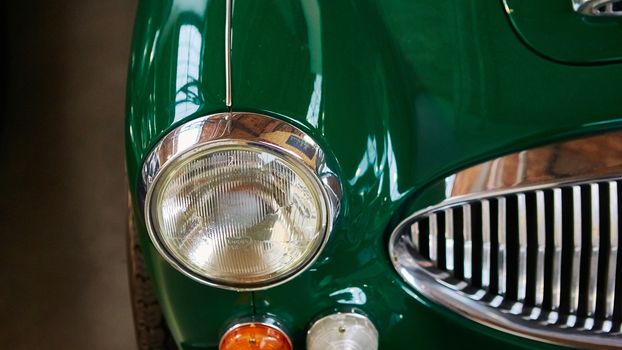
(239, 200)
(527, 243)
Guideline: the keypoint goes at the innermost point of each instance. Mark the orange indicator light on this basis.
(255, 336)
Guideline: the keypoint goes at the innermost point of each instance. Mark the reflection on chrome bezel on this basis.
(219, 129)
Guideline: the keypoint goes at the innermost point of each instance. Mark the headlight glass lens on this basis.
(241, 215)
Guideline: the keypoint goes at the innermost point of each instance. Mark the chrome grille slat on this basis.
(541, 241)
(502, 253)
(433, 239)
(559, 231)
(522, 248)
(486, 244)
(613, 249)
(557, 250)
(575, 271)
(449, 240)
(468, 243)
(594, 249)
(414, 229)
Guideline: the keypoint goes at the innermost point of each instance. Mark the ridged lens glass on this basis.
(342, 331)
(239, 215)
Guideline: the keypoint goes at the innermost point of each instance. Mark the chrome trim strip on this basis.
(433, 239)
(594, 248)
(228, 96)
(576, 252)
(240, 128)
(502, 254)
(613, 249)
(541, 242)
(557, 250)
(449, 240)
(486, 244)
(468, 243)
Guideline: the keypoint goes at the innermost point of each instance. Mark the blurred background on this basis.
(62, 182)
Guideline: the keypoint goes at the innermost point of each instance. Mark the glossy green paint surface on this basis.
(399, 94)
(553, 29)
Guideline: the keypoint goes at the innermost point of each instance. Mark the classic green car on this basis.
(395, 174)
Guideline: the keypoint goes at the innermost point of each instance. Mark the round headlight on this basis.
(239, 201)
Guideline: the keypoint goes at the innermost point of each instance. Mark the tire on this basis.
(152, 332)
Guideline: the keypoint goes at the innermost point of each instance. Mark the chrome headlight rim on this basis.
(240, 129)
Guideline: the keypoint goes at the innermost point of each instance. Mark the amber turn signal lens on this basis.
(255, 336)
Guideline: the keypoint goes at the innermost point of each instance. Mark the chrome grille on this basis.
(526, 243)
(598, 7)
(550, 254)
(546, 256)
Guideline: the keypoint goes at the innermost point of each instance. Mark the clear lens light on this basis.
(343, 331)
(239, 215)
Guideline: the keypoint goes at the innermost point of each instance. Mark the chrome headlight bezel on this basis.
(242, 130)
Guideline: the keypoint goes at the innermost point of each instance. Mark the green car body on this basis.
(399, 94)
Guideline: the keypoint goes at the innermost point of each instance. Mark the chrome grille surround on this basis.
(598, 7)
(526, 249)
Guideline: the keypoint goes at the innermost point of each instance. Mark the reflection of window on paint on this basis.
(187, 98)
(351, 295)
(377, 161)
(313, 112)
(313, 19)
(392, 163)
(369, 161)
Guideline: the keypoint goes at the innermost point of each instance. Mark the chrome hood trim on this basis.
(228, 96)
